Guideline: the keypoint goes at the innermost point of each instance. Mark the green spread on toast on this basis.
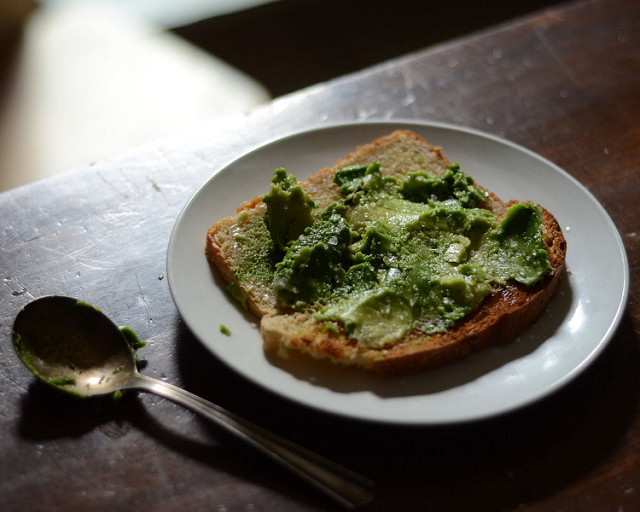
(392, 254)
(289, 209)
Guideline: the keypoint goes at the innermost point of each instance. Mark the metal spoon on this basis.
(74, 347)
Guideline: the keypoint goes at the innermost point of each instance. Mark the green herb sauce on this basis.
(289, 209)
(391, 255)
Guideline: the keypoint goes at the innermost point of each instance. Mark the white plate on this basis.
(579, 323)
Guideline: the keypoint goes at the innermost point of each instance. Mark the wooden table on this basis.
(564, 82)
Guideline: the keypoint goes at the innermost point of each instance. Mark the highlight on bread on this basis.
(393, 260)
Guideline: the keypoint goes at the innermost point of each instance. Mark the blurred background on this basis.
(81, 80)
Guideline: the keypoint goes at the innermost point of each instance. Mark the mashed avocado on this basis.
(394, 255)
(289, 209)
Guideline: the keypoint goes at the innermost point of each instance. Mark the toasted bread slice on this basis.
(502, 316)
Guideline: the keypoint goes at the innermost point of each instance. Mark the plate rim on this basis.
(413, 124)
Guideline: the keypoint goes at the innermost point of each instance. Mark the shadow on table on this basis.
(549, 448)
(48, 415)
(544, 449)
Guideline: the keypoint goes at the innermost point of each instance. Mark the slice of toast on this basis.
(503, 315)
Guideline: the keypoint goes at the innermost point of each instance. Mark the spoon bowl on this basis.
(71, 345)
(74, 347)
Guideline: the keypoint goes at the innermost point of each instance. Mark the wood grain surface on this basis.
(564, 82)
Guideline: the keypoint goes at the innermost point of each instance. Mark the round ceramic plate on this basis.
(577, 325)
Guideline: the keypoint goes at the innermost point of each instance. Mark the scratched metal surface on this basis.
(563, 82)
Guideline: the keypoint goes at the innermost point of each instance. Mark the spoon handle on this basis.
(347, 487)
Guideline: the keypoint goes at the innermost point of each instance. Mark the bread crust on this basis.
(502, 316)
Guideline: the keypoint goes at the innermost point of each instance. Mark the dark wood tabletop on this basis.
(563, 82)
